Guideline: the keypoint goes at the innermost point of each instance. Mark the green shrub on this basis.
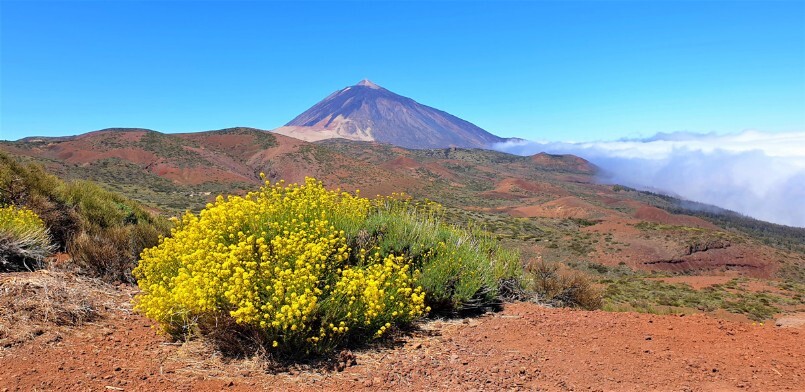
(30, 186)
(461, 270)
(114, 232)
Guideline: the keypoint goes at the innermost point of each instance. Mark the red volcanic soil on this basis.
(71, 154)
(513, 188)
(525, 347)
(565, 207)
(402, 163)
(654, 214)
(196, 175)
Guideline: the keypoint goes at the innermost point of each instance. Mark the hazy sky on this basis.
(569, 71)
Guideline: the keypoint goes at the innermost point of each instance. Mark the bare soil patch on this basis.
(524, 347)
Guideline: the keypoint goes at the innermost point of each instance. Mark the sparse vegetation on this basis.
(168, 146)
(261, 139)
(654, 296)
(104, 232)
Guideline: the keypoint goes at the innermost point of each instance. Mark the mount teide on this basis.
(369, 112)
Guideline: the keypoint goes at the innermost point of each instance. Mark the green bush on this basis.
(461, 270)
(114, 231)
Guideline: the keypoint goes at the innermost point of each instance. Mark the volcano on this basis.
(368, 112)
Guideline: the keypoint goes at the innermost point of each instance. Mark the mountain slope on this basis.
(368, 112)
(548, 205)
(183, 171)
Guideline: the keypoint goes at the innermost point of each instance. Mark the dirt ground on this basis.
(524, 347)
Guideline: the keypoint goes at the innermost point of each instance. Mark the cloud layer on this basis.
(758, 174)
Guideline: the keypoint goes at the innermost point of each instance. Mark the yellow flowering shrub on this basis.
(19, 220)
(278, 261)
(24, 240)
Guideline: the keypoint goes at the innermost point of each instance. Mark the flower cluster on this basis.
(278, 260)
(19, 220)
(376, 296)
(24, 239)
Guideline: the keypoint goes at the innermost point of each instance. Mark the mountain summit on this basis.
(369, 112)
(368, 83)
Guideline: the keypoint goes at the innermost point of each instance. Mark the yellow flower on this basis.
(270, 259)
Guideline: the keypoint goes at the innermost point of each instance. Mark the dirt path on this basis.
(525, 347)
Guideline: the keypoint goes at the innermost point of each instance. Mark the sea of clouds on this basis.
(758, 174)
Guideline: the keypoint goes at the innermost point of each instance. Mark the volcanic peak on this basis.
(368, 112)
(368, 83)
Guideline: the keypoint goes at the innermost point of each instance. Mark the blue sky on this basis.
(562, 71)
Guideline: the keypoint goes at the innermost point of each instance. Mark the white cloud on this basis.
(755, 173)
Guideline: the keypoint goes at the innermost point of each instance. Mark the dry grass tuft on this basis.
(563, 287)
(200, 357)
(229, 358)
(44, 302)
(103, 255)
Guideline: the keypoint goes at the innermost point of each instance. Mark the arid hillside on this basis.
(712, 301)
(550, 206)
